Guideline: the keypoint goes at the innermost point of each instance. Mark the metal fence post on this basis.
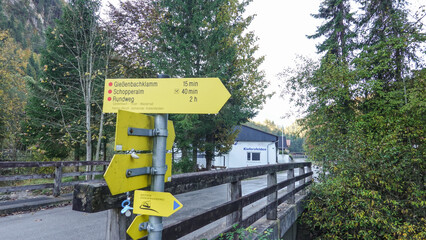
(272, 180)
(290, 175)
(57, 183)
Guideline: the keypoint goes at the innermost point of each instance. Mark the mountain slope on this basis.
(27, 20)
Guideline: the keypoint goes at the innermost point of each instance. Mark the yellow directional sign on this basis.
(117, 171)
(135, 121)
(165, 95)
(161, 204)
(133, 229)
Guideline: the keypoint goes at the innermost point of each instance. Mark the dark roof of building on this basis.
(250, 134)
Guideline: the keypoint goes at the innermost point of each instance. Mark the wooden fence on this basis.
(95, 197)
(56, 176)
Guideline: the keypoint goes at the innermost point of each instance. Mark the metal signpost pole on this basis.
(161, 97)
(159, 166)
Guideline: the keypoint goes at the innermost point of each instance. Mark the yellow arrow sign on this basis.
(126, 142)
(133, 229)
(165, 95)
(161, 204)
(116, 173)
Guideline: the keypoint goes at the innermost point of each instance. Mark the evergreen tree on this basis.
(389, 41)
(334, 100)
(206, 39)
(337, 29)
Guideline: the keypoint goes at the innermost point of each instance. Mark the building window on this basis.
(253, 156)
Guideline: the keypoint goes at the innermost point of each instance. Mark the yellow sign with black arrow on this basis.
(150, 203)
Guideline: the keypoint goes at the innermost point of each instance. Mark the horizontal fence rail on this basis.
(56, 176)
(95, 196)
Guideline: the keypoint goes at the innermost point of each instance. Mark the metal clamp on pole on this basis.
(143, 226)
(142, 132)
(159, 170)
(158, 132)
(155, 227)
(133, 172)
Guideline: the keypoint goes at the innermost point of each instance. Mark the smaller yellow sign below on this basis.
(116, 173)
(133, 230)
(162, 204)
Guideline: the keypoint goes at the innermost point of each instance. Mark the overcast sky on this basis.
(282, 27)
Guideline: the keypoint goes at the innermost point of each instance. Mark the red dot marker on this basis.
(110, 91)
(110, 84)
(109, 98)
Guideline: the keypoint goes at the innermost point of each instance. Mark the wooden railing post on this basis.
(234, 192)
(57, 183)
(117, 225)
(272, 180)
(290, 175)
(308, 169)
(302, 181)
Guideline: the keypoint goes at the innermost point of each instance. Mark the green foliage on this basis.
(12, 90)
(24, 29)
(184, 165)
(66, 102)
(365, 125)
(374, 156)
(245, 234)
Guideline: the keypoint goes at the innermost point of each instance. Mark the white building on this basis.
(252, 147)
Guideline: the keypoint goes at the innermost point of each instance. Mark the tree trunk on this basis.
(209, 150)
(88, 130)
(194, 156)
(98, 146)
(184, 153)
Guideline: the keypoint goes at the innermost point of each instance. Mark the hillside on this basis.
(27, 20)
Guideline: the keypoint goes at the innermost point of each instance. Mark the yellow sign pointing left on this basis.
(116, 173)
(134, 231)
(162, 204)
(130, 121)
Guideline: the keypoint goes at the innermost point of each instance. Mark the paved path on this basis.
(55, 223)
